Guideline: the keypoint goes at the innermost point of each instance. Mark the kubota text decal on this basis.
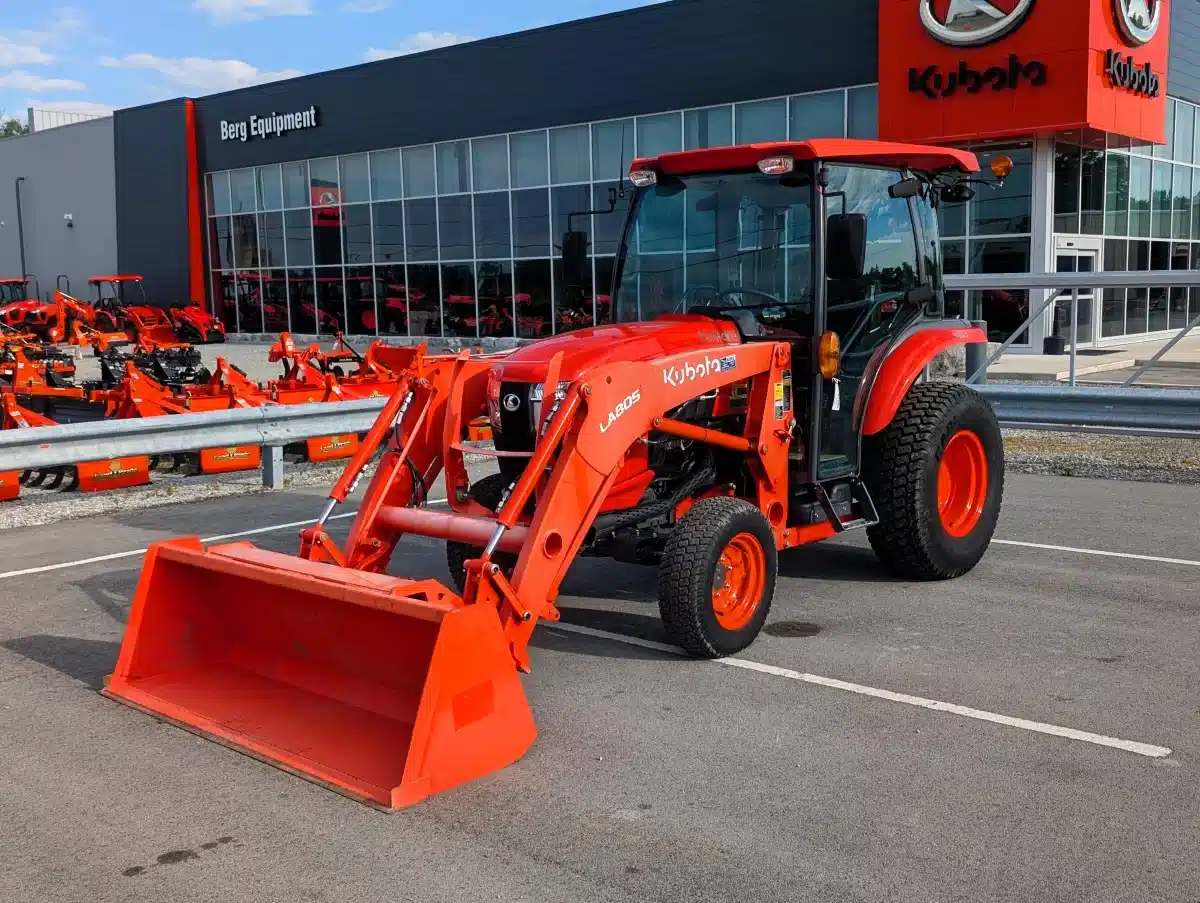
(685, 373)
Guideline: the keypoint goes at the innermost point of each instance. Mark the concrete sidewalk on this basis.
(1089, 362)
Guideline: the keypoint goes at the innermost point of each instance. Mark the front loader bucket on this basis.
(384, 689)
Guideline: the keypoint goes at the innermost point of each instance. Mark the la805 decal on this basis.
(688, 372)
(621, 410)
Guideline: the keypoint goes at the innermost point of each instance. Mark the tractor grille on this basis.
(517, 430)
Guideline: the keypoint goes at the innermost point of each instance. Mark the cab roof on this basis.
(95, 279)
(919, 157)
(13, 280)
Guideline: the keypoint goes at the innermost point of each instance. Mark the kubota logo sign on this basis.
(268, 126)
(687, 372)
(972, 23)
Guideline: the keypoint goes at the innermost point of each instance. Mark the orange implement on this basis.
(383, 688)
(10, 485)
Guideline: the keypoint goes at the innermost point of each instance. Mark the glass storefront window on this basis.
(1181, 181)
(1066, 187)
(420, 175)
(1007, 210)
(570, 155)
(661, 134)
(270, 188)
(459, 314)
(563, 202)
(301, 300)
(1167, 151)
(527, 159)
(612, 149)
(1091, 198)
(424, 292)
(1003, 310)
(296, 192)
(495, 294)
(1139, 197)
(493, 234)
(331, 300)
(356, 229)
(454, 167)
(863, 113)
(298, 238)
(355, 179)
(608, 226)
(242, 191)
(1116, 196)
(1184, 127)
(818, 115)
(712, 127)
(385, 176)
(270, 240)
(391, 299)
(1160, 201)
(323, 176)
(533, 294)
(361, 317)
(762, 120)
(489, 163)
(420, 230)
(455, 228)
(219, 242)
(531, 223)
(387, 230)
(218, 194)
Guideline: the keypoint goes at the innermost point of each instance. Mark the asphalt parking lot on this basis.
(881, 741)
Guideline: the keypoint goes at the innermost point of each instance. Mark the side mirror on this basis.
(905, 188)
(845, 245)
(956, 194)
(575, 258)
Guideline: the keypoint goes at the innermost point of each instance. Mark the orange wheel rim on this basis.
(738, 581)
(962, 483)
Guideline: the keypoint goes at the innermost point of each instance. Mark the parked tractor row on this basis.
(146, 379)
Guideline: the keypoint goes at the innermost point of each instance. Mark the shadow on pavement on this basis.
(834, 561)
(642, 627)
(87, 661)
(112, 592)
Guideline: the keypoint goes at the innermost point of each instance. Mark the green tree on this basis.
(11, 128)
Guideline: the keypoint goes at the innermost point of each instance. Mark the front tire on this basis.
(936, 475)
(717, 578)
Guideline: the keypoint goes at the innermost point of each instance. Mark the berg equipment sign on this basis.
(268, 126)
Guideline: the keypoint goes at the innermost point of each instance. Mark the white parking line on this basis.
(274, 528)
(1100, 552)
(1129, 746)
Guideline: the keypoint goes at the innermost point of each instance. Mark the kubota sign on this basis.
(958, 70)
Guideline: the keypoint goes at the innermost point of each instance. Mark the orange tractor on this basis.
(774, 309)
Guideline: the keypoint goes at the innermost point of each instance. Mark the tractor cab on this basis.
(14, 289)
(113, 293)
(829, 244)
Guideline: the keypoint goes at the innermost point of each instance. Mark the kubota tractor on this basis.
(760, 388)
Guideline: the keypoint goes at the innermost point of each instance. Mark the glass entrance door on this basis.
(1076, 260)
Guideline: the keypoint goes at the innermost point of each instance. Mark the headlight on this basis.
(493, 398)
(539, 389)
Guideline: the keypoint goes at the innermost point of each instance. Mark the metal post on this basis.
(20, 223)
(272, 467)
(1016, 333)
(1161, 351)
(977, 353)
(1074, 330)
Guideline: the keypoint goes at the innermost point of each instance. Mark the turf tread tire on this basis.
(900, 470)
(685, 577)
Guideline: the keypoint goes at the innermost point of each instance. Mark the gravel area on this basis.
(1103, 457)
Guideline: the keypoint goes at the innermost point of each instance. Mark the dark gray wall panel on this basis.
(684, 53)
(152, 221)
(1183, 68)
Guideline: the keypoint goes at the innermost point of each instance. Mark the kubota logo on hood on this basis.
(687, 372)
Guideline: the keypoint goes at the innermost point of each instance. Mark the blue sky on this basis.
(95, 55)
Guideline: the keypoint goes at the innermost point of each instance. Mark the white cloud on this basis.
(367, 6)
(14, 54)
(71, 106)
(418, 43)
(226, 11)
(199, 73)
(35, 84)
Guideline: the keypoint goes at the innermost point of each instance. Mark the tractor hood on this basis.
(586, 349)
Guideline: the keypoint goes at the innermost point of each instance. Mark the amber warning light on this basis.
(1002, 167)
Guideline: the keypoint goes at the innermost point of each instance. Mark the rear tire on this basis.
(717, 578)
(486, 492)
(936, 475)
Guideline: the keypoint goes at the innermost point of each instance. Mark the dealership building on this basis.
(427, 195)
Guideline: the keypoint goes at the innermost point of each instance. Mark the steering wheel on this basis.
(750, 291)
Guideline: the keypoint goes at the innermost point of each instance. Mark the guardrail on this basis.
(1112, 411)
(269, 426)
(1058, 284)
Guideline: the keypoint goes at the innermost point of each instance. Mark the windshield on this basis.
(722, 240)
(11, 291)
